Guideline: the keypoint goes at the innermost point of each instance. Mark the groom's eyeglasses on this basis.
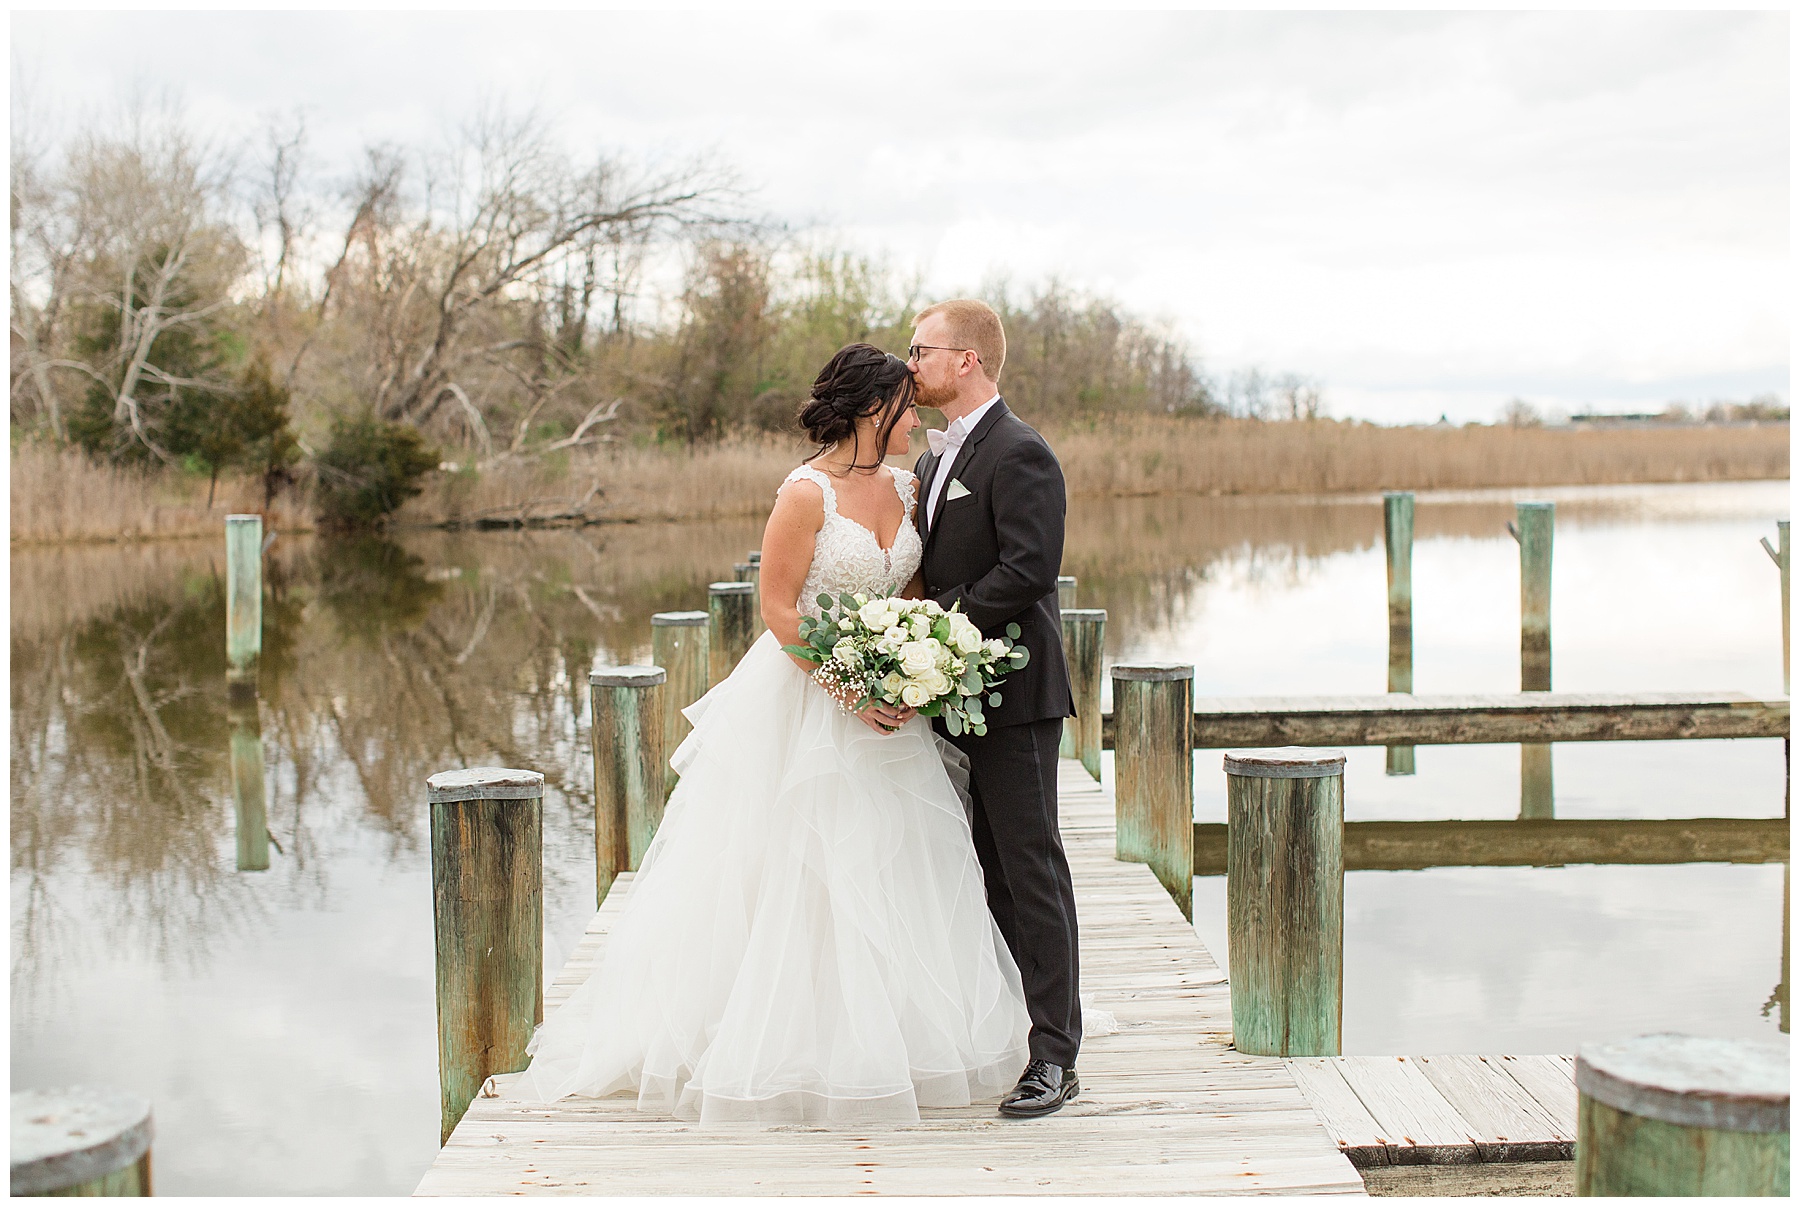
(912, 353)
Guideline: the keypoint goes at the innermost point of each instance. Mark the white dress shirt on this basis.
(953, 439)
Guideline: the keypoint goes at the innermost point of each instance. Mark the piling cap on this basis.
(62, 1138)
(1084, 613)
(730, 588)
(1064, 578)
(662, 618)
(755, 556)
(1285, 763)
(1152, 672)
(484, 783)
(1732, 1085)
(627, 676)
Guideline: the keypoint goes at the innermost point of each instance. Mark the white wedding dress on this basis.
(807, 939)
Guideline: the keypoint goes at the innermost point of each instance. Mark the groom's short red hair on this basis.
(974, 325)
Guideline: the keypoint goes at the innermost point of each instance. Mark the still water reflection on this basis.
(267, 981)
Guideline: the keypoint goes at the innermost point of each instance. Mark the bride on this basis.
(808, 938)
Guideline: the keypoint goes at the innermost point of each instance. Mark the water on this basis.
(282, 1021)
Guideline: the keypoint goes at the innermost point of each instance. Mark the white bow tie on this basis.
(939, 441)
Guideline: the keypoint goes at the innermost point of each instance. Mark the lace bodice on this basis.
(848, 557)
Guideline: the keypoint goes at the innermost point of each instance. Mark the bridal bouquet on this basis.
(910, 652)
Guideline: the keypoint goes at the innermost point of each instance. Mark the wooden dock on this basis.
(1444, 1125)
(1167, 1106)
(1402, 719)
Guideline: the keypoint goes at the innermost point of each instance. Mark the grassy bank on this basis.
(58, 496)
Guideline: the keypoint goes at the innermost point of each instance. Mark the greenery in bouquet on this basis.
(911, 652)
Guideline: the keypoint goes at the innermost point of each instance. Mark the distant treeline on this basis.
(490, 302)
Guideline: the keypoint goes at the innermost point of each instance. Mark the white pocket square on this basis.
(956, 491)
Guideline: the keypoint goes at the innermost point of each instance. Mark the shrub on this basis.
(368, 470)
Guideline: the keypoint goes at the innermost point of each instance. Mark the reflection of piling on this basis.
(751, 572)
(732, 629)
(1284, 894)
(1153, 772)
(1397, 527)
(1535, 532)
(630, 771)
(487, 892)
(1779, 554)
(1084, 638)
(247, 791)
(1682, 1115)
(81, 1143)
(1065, 591)
(243, 600)
(678, 644)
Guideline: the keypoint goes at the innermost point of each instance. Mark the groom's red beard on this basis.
(932, 396)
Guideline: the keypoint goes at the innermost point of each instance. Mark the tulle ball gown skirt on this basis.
(807, 939)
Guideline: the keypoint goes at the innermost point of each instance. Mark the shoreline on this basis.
(1440, 495)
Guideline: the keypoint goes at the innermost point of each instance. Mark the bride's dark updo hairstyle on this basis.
(859, 381)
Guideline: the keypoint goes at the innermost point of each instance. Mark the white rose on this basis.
(997, 648)
(936, 682)
(860, 599)
(914, 695)
(920, 625)
(875, 614)
(893, 683)
(917, 657)
(845, 651)
(963, 634)
(944, 655)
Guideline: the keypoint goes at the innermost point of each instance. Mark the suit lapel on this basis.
(963, 456)
(927, 471)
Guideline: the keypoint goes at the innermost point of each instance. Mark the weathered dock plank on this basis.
(1387, 846)
(1498, 1111)
(1409, 720)
(1167, 1106)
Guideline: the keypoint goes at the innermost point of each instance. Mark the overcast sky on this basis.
(1428, 213)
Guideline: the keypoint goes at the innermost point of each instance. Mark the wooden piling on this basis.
(731, 607)
(243, 600)
(1397, 530)
(487, 890)
(678, 644)
(1284, 894)
(751, 572)
(1153, 772)
(1065, 591)
(1779, 554)
(80, 1143)
(247, 791)
(630, 767)
(1535, 533)
(1682, 1115)
(1084, 641)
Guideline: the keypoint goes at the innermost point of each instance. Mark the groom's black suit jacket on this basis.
(997, 551)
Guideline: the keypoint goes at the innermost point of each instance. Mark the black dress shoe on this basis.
(1042, 1090)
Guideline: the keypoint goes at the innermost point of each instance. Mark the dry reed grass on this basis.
(1152, 455)
(58, 496)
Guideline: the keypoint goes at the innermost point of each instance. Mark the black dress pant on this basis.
(1013, 784)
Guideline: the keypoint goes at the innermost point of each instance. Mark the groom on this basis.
(992, 525)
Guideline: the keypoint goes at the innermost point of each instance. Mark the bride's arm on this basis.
(787, 553)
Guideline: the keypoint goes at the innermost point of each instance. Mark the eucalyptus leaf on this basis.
(981, 731)
(848, 603)
(953, 723)
(1013, 631)
(824, 601)
(994, 700)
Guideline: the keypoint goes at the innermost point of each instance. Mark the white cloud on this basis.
(1399, 204)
